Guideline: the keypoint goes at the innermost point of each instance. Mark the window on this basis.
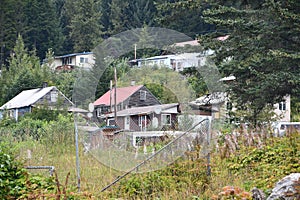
(142, 120)
(229, 106)
(143, 95)
(282, 105)
(111, 122)
(166, 119)
(53, 96)
(81, 60)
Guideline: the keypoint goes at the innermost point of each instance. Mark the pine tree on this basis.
(85, 27)
(262, 50)
(42, 29)
(11, 23)
(24, 72)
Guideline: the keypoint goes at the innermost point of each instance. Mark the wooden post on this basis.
(115, 96)
(110, 96)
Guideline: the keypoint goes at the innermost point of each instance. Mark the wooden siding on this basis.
(135, 101)
(61, 102)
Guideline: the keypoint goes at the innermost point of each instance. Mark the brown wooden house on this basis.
(126, 97)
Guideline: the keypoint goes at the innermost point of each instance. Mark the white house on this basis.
(177, 62)
(83, 60)
(283, 109)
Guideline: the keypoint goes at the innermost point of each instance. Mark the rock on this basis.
(287, 188)
(258, 194)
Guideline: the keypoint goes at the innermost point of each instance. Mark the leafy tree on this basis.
(167, 85)
(262, 50)
(196, 81)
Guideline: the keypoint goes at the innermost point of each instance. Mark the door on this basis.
(127, 123)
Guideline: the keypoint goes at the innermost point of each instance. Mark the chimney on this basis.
(45, 84)
(132, 83)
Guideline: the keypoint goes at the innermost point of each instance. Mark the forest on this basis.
(263, 45)
(261, 51)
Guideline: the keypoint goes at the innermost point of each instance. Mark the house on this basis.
(28, 100)
(84, 60)
(283, 109)
(177, 62)
(218, 106)
(126, 97)
(155, 117)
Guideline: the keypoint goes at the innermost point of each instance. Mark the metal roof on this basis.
(122, 94)
(144, 110)
(74, 54)
(210, 99)
(27, 98)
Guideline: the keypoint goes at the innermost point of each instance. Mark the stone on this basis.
(287, 188)
(258, 194)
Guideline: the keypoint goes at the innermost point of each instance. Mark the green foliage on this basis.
(196, 81)
(261, 50)
(176, 178)
(167, 85)
(267, 165)
(174, 15)
(85, 30)
(58, 131)
(24, 72)
(15, 181)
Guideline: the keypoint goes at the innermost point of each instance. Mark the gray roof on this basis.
(145, 110)
(27, 98)
(210, 99)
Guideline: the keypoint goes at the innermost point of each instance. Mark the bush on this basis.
(15, 181)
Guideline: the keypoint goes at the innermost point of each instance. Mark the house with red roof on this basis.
(137, 109)
(126, 97)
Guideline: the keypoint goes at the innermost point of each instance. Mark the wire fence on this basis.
(123, 149)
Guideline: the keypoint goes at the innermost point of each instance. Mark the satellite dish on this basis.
(157, 110)
(91, 107)
(90, 115)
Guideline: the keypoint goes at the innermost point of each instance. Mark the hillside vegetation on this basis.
(260, 163)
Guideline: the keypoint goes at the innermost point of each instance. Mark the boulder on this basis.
(287, 188)
(258, 194)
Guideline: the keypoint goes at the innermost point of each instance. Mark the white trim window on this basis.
(166, 119)
(81, 59)
(53, 96)
(143, 95)
(111, 122)
(282, 106)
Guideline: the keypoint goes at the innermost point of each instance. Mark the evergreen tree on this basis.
(119, 19)
(262, 50)
(85, 27)
(42, 29)
(184, 16)
(24, 72)
(11, 23)
(141, 13)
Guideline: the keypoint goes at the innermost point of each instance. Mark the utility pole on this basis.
(135, 52)
(110, 96)
(115, 96)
